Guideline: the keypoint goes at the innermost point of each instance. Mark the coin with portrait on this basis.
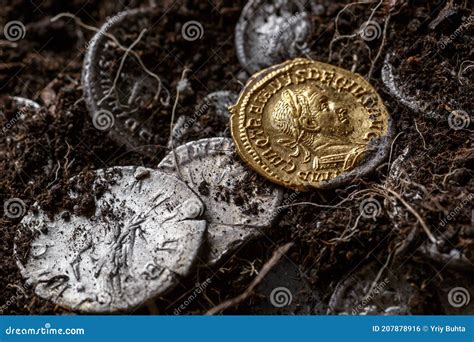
(306, 124)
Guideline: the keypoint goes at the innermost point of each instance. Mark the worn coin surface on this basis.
(239, 204)
(123, 96)
(146, 232)
(269, 32)
(305, 124)
(211, 118)
(364, 294)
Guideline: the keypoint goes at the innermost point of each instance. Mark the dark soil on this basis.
(40, 153)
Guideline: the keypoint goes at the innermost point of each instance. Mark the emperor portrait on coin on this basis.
(304, 123)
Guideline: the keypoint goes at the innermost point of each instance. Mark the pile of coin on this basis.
(298, 124)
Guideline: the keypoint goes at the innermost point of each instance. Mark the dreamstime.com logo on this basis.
(370, 30)
(370, 208)
(197, 291)
(20, 115)
(281, 297)
(192, 30)
(20, 293)
(453, 213)
(458, 297)
(377, 290)
(459, 119)
(443, 43)
(14, 30)
(103, 120)
(14, 208)
(46, 330)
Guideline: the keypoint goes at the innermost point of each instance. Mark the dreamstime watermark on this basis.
(281, 297)
(378, 288)
(443, 43)
(459, 297)
(20, 293)
(200, 287)
(287, 201)
(370, 208)
(272, 41)
(192, 30)
(459, 119)
(103, 30)
(14, 30)
(46, 330)
(103, 120)
(370, 30)
(14, 208)
(19, 116)
(453, 213)
(179, 132)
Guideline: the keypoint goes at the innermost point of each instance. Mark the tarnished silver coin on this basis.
(123, 96)
(423, 97)
(270, 32)
(24, 102)
(239, 203)
(145, 233)
(211, 118)
(364, 293)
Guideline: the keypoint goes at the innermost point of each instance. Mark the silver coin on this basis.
(146, 232)
(270, 32)
(239, 204)
(359, 294)
(211, 118)
(24, 102)
(422, 99)
(127, 105)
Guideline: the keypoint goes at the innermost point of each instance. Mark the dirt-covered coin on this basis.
(366, 292)
(211, 118)
(270, 32)
(405, 75)
(144, 233)
(123, 95)
(239, 204)
(305, 124)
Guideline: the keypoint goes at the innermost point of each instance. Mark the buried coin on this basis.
(145, 233)
(269, 32)
(211, 118)
(122, 95)
(364, 293)
(22, 102)
(305, 124)
(239, 205)
(421, 95)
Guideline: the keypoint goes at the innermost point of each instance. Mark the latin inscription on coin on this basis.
(307, 124)
(123, 96)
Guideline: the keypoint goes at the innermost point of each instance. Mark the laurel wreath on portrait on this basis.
(291, 139)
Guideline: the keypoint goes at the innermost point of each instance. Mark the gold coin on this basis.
(304, 124)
